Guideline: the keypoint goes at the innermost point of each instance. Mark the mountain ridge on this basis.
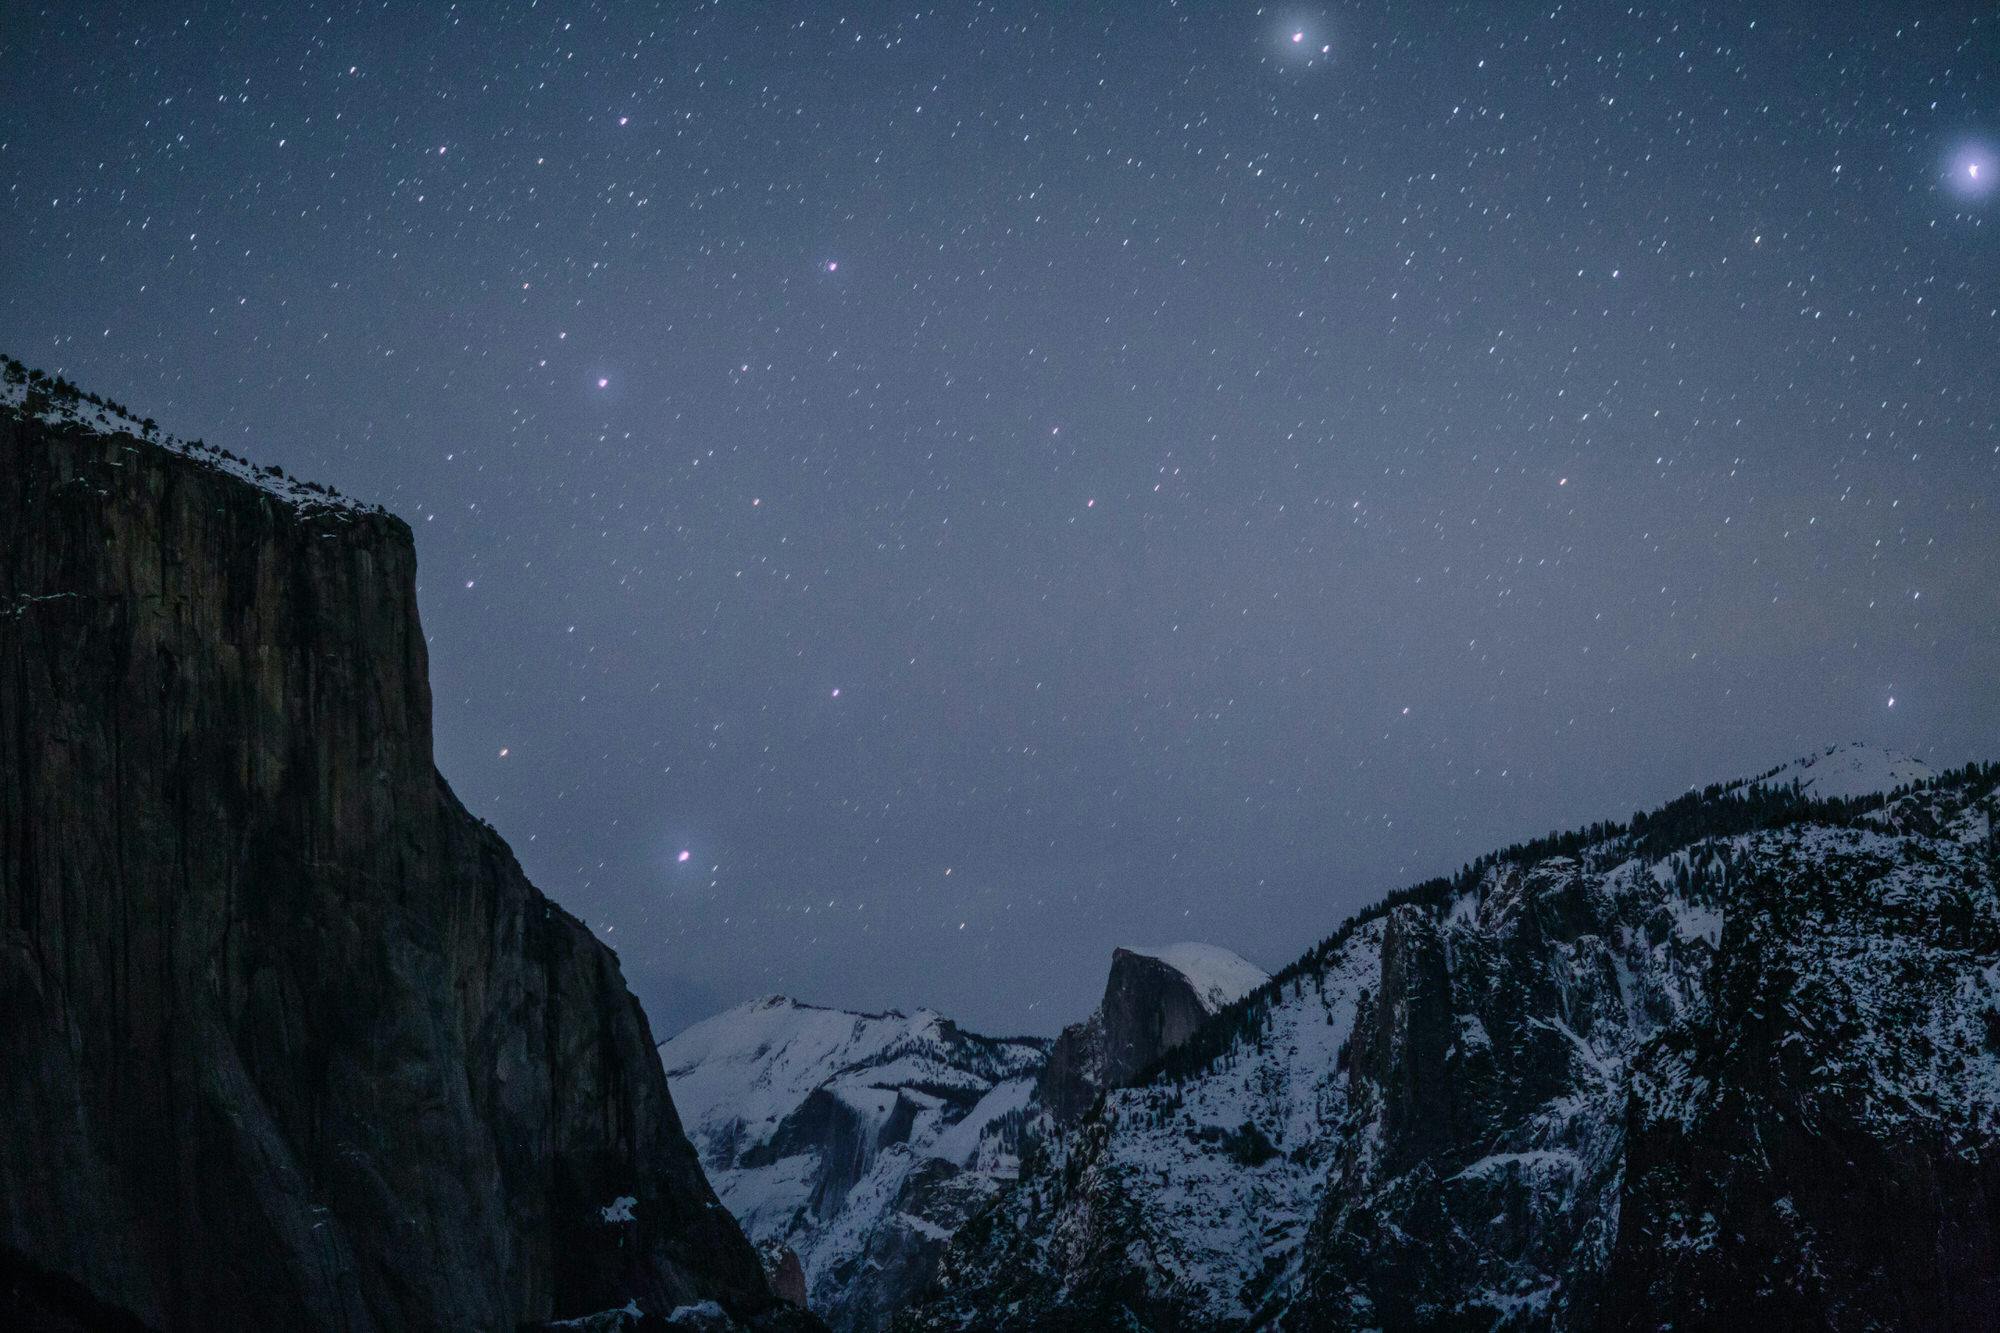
(858, 1143)
(1422, 1122)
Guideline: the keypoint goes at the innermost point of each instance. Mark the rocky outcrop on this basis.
(1154, 999)
(286, 1038)
(786, 1273)
(1733, 1064)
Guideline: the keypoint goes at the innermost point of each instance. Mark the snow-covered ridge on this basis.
(57, 402)
(757, 1063)
(860, 1141)
(1845, 773)
(1301, 1172)
(1219, 977)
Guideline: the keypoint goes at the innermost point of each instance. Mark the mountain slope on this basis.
(859, 1141)
(863, 1142)
(290, 1040)
(1631, 1060)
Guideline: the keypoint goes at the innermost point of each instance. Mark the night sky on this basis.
(911, 497)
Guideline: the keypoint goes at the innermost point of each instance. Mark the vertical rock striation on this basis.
(286, 1037)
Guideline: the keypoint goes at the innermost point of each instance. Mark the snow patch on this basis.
(1219, 977)
(1845, 772)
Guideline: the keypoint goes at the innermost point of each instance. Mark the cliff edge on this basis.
(286, 1037)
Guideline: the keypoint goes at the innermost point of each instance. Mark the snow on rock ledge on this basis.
(1219, 977)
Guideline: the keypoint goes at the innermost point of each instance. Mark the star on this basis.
(1298, 37)
(603, 382)
(1973, 171)
(685, 854)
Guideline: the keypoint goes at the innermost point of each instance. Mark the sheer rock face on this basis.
(289, 1040)
(1149, 1008)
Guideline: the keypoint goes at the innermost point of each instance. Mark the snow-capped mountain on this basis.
(1154, 1000)
(1735, 1062)
(1218, 977)
(858, 1141)
(862, 1142)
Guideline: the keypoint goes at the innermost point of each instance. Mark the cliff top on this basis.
(55, 401)
(1219, 977)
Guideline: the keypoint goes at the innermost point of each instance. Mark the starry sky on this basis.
(910, 497)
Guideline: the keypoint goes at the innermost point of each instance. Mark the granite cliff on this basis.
(286, 1038)
(1154, 999)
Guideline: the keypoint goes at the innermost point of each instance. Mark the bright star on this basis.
(1298, 37)
(684, 855)
(603, 383)
(1974, 171)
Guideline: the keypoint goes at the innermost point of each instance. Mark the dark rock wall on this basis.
(1148, 1009)
(286, 1038)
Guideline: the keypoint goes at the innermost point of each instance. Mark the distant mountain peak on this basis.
(1154, 1000)
(857, 1143)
